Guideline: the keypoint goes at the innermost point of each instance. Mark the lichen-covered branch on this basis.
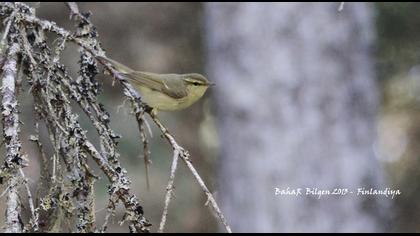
(53, 89)
(11, 129)
(68, 197)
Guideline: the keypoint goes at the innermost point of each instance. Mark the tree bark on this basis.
(11, 136)
(296, 102)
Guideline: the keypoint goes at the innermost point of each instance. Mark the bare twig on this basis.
(169, 189)
(34, 224)
(141, 121)
(185, 157)
(210, 198)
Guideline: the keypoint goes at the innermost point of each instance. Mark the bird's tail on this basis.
(118, 66)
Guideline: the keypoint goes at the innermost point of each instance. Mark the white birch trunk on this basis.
(296, 102)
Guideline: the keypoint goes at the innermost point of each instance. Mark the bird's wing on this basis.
(166, 83)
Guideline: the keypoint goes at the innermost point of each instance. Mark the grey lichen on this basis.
(67, 177)
(65, 195)
(13, 161)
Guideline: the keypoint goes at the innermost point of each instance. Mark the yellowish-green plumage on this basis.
(167, 92)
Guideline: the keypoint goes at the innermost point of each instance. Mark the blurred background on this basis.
(306, 96)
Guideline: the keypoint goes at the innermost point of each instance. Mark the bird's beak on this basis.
(211, 84)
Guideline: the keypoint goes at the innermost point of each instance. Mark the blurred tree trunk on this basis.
(296, 102)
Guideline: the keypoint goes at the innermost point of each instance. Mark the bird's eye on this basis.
(196, 83)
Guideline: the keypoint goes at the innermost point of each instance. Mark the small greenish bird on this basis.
(165, 92)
